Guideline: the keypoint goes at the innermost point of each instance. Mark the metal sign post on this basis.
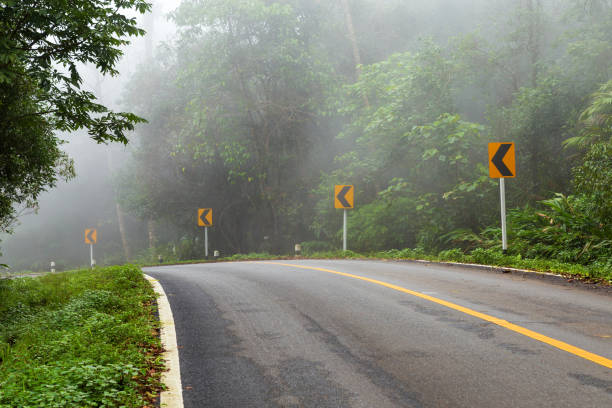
(502, 165)
(91, 261)
(502, 199)
(344, 232)
(206, 242)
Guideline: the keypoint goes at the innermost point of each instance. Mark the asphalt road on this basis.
(269, 335)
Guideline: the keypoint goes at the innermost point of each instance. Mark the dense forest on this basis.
(258, 108)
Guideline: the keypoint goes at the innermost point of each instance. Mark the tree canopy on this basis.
(258, 108)
(43, 45)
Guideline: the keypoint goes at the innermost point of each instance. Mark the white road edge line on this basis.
(173, 396)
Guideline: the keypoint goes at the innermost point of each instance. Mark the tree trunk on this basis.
(534, 8)
(351, 34)
(149, 23)
(120, 218)
(357, 58)
(123, 233)
(152, 230)
(353, 38)
(118, 210)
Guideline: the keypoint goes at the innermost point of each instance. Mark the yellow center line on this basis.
(587, 355)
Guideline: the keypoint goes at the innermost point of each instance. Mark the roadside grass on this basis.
(79, 339)
(597, 273)
(592, 273)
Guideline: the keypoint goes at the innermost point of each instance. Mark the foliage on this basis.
(442, 188)
(41, 45)
(594, 178)
(82, 338)
(248, 257)
(542, 163)
(596, 119)
(253, 96)
(240, 96)
(391, 111)
(563, 228)
(598, 272)
(568, 229)
(30, 154)
(257, 109)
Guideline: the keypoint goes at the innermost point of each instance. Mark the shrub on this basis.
(454, 255)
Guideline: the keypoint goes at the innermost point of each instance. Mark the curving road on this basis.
(386, 334)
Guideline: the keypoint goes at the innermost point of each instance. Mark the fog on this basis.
(258, 111)
(55, 230)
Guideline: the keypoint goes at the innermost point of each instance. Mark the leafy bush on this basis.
(64, 384)
(593, 178)
(567, 229)
(453, 255)
(486, 256)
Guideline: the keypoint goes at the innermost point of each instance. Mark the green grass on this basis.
(480, 256)
(79, 339)
(596, 273)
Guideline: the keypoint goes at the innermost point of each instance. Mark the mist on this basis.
(54, 231)
(257, 109)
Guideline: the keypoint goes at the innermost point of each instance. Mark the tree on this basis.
(414, 161)
(235, 110)
(246, 105)
(42, 45)
(443, 188)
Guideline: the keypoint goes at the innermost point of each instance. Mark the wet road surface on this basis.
(254, 334)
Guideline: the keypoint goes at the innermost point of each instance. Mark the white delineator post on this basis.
(502, 199)
(206, 242)
(344, 232)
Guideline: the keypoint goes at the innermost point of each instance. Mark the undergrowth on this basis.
(79, 339)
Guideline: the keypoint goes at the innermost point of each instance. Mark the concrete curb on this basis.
(491, 268)
(173, 396)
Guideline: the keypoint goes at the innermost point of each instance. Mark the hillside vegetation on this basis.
(258, 108)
